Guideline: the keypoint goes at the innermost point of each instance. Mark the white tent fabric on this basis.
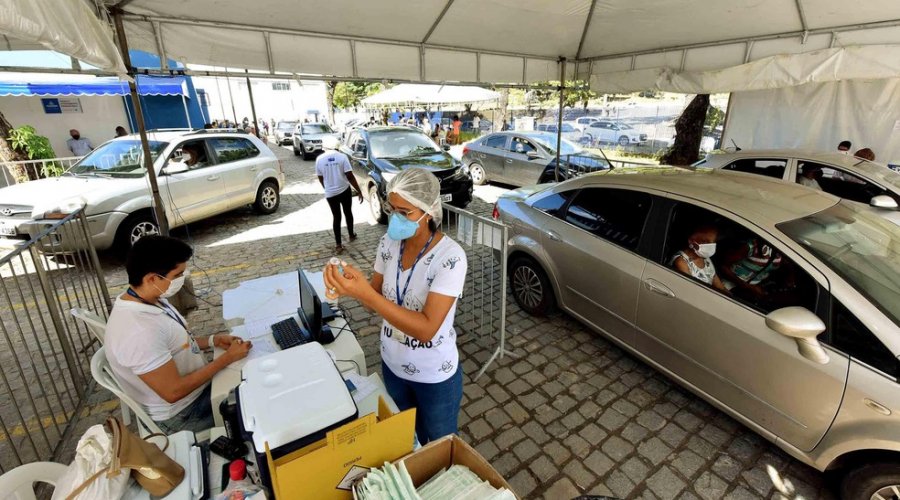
(68, 27)
(817, 116)
(417, 95)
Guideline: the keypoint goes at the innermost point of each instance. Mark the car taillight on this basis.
(465, 150)
(496, 213)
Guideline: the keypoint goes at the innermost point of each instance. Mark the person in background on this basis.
(152, 353)
(266, 127)
(79, 146)
(193, 155)
(844, 147)
(426, 124)
(476, 124)
(442, 135)
(746, 268)
(694, 261)
(336, 176)
(865, 154)
(420, 273)
(505, 126)
(245, 123)
(810, 177)
(453, 136)
(121, 132)
(207, 126)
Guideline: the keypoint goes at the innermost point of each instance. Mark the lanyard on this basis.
(402, 296)
(162, 306)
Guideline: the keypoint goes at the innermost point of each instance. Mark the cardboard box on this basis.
(327, 469)
(428, 460)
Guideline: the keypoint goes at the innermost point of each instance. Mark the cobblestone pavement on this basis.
(572, 414)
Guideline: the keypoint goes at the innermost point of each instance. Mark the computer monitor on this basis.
(310, 310)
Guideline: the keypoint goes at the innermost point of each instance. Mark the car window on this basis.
(849, 335)
(769, 167)
(315, 128)
(192, 154)
(401, 143)
(568, 128)
(750, 268)
(521, 145)
(358, 146)
(122, 158)
(553, 203)
(496, 141)
(232, 149)
(837, 182)
(616, 215)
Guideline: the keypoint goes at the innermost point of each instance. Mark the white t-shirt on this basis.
(333, 166)
(804, 181)
(442, 270)
(139, 339)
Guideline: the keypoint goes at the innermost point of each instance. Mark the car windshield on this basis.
(860, 246)
(122, 158)
(400, 143)
(879, 171)
(548, 141)
(624, 126)
(316, 128)
(286, 125)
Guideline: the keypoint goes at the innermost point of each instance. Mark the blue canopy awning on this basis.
(147, 85)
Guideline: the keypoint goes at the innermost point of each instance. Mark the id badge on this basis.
(195, 348)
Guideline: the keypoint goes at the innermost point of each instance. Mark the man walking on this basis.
(336, 176)
(78, 145)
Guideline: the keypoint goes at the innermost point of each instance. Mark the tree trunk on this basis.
(7, 153)
(688, 133)
(329, 100)
(502, 113)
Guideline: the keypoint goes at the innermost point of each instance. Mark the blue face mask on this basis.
(401, 228)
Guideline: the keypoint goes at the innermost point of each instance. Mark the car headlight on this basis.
(57, 210)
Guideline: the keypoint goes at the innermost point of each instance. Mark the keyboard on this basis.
(288, 333)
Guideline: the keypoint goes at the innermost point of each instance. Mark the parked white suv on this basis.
(614, 133)
(200, 174)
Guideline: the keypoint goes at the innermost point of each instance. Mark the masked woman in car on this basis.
(419, 276)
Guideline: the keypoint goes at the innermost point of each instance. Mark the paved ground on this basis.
(573, 414)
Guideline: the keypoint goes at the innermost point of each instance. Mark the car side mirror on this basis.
(446, 147)
(803, 326)
(174, 168)
(883, 201)
(533, 155)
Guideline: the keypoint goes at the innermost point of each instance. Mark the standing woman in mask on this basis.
(419, 275)
(694, 260)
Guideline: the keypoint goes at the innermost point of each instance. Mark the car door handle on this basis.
(553, 235)
(509, 161)
(657, 287)
(213, 178)
(877, 407)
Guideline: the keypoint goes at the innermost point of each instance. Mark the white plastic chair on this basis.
(19, 482)
(94, 323)
(103, 374)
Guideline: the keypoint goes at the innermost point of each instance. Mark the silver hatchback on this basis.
(775, 302)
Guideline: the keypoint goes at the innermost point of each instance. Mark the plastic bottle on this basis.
(330, 294)
(239, 485)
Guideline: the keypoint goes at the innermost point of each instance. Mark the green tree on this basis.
(348, 95)
(28, 144)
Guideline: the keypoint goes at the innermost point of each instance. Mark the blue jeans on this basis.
(197, 417)
(437, 405)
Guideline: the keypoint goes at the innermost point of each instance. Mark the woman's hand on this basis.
(223, 340)
(352, 283)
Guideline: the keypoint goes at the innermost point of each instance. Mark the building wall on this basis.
(98, 120)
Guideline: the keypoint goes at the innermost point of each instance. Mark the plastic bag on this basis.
(93, 453)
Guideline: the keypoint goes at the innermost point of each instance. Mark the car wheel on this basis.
(623, 141)
(530, 286)
(307, 156)
(135, 227)
(267, 198)
(375, 206)
(872, 481)
(478, 175)
(296, 151)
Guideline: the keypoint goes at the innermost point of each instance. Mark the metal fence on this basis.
(44, 352)
(14, 172)
(481, 312)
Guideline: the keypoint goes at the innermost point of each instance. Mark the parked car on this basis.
(568, 131)
(283, 132)
(377, 154)
(583, 122)
(307, 138)
(842, 175)
(525, 158)
(810, 365)
(606, 131)
(233, 170)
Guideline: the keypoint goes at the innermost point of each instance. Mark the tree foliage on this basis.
(577, 93)
(26, 141)
(348, 95)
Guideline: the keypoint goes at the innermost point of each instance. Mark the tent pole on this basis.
(158, 210)
(231, 98)
(186, 113)
(252, 106)
(562, 91)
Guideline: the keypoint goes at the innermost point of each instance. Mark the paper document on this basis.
(364, 386)
(262, 347)
(259, 327)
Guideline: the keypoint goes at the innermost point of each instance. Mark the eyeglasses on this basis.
(405, 212)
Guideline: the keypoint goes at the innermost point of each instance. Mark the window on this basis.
(281, 86)
(233, 149)
(496, 141)
(752, 270)
(849, 335)
(616, 215)
(769, 167)
(521, 146)
(553, 203)
(837, 182)
(192, 154)
(123, 158)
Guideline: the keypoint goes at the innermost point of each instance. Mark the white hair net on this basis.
(330, 142)
(422, 189)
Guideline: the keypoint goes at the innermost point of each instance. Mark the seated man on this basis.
(810, 177)
(154, 357)
(193, 156)
(694, 260)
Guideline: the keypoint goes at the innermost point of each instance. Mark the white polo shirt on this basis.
(332, 167)
(141, 338)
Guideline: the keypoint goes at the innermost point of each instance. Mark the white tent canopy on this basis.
(614, 44)
(408, 95)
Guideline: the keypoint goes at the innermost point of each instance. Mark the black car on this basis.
(379, 153)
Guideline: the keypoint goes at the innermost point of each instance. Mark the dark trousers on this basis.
(345, 200)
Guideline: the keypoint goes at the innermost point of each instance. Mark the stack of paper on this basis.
(456, 483)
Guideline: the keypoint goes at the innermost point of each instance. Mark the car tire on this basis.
(133, 228)
(376, 206)
(307, 156)
(296, 151)
(865, 481)
(479, 177)
(530, 286)
(623, 141)
(267, 198)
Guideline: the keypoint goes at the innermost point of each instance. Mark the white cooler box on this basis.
(291, 399)
(183, 450)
